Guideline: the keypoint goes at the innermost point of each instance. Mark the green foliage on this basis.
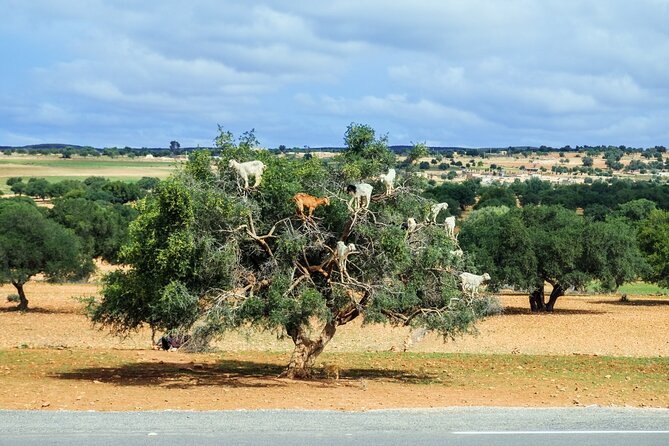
(636, 210)
(418, 151)
(37, 187)
(31, 244)
(147, 183)
(527, 247)
(654, 243)
(102, 226)
(556, 236)
(92, 188)
(499, 244)
(531, 191)
(365, 155)
(611, 253)
(496, 196)
(457, 195)
(199, 165)
(18, 188)
(225, 139)
(208, 256)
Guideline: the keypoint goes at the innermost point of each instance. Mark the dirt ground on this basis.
(54, 359)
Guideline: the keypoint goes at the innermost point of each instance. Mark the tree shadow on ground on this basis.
(227, 373)
(179, 375)
(515, 311)
(40, 310)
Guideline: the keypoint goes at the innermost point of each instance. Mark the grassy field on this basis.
(637, 288)
(84, 163)
(642, 288)
(55, 169)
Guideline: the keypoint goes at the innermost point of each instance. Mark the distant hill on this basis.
(47, 146)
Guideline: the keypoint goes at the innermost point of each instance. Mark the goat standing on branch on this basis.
(249, 169)
(360, 192)
(457, 252)
(472, 282)
(410, 225)
(434, 212)
(343, 251)
(388, 180)
(449, 224)
(310, 202)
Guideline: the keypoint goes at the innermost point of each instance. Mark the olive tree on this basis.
(206, 255)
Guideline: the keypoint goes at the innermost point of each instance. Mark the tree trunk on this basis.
(557, 292)
(537, 300)
(23, 302)
(306, 350)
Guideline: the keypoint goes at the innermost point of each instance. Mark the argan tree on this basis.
(31, 244)
(654, 241)
(529, 247)
(207, 256)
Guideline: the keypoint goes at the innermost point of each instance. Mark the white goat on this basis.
(343, 251)
(389, 180)
(410, 225)
(434, 211)
(359, 191)
(472, 282)
(449, 224)
(249, 168)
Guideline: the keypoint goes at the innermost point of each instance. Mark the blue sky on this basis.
(453, 73)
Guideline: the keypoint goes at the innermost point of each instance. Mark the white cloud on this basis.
(476, 72)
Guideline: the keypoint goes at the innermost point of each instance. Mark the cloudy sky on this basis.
(471, 73)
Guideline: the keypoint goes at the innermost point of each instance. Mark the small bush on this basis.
(13, 298)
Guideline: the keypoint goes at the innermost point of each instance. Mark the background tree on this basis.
(612, 158)
(365, 155)
(225, 139)
(37, 187)
(418, 151)
(147, 183)
(207, 257)
(611, 253)
(636, 210)
(248, 140)
(654, 243)
(457, 195)
(101, 226)
(529, 247)
(13, 180)
(531, 191)
(496, 196)
(498, 241)
(31, 244)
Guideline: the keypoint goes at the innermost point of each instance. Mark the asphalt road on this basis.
(452, 426)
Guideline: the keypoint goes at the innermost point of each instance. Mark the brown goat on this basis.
(303, 200)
